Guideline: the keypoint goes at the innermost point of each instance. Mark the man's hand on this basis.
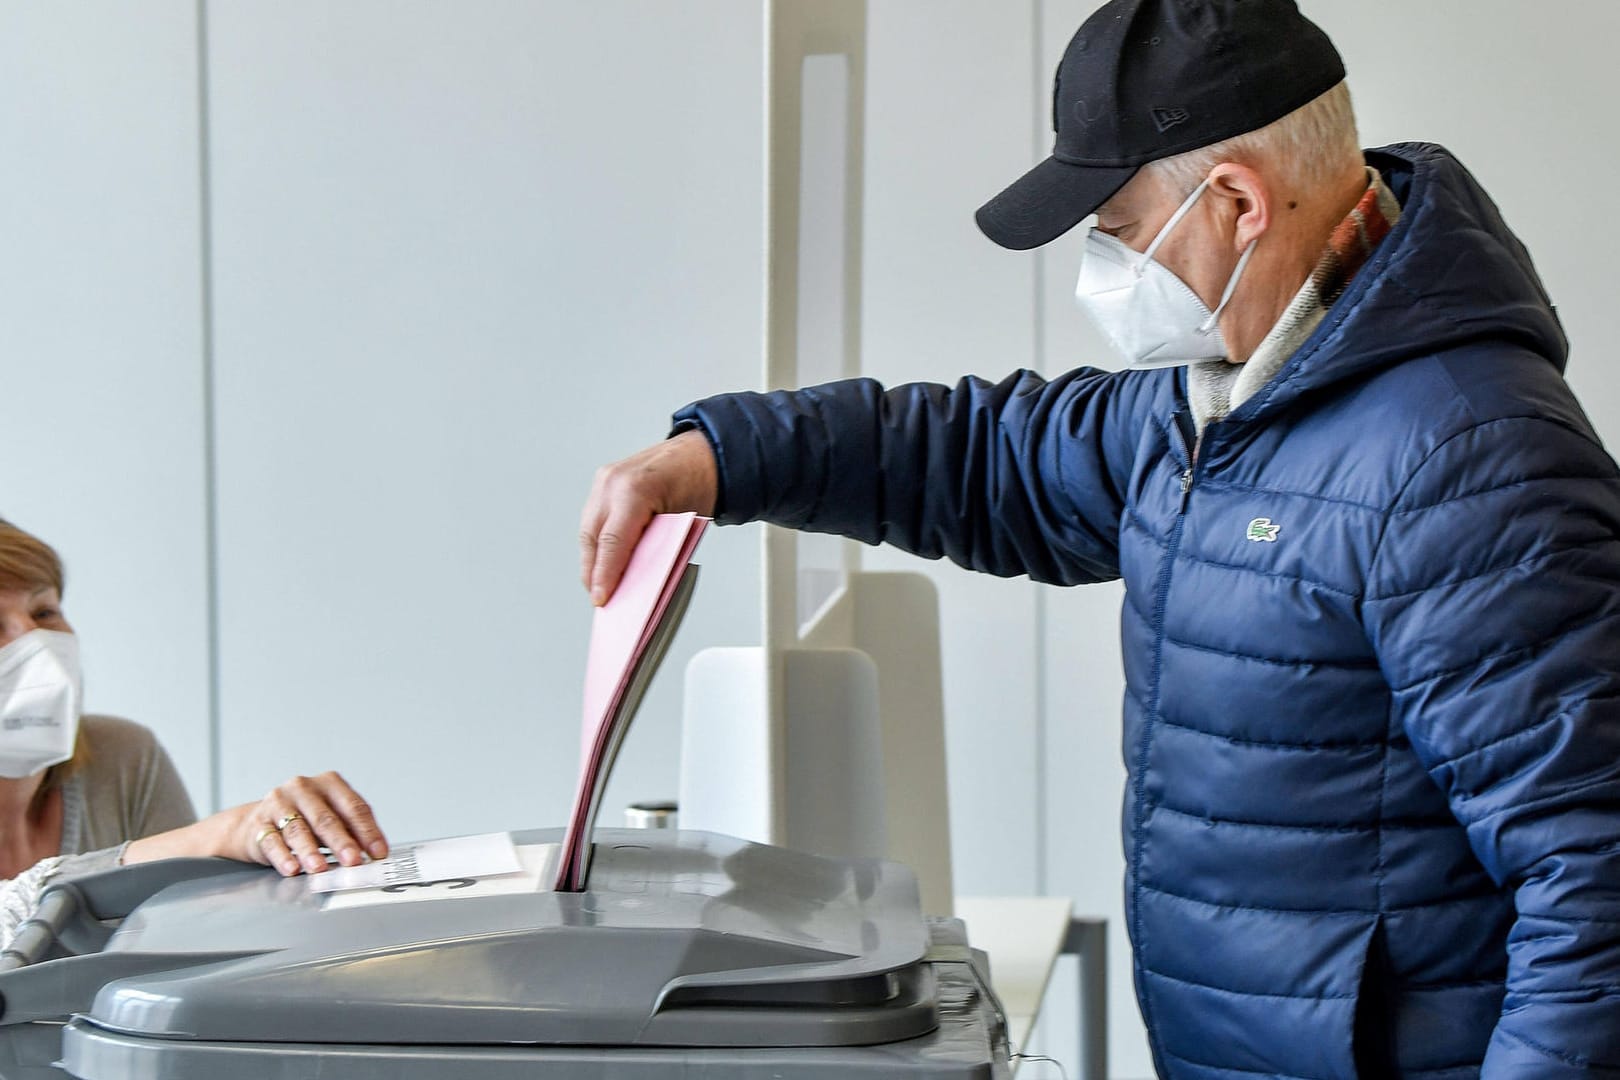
(676, 476)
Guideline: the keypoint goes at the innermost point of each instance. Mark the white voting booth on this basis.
(830, 736)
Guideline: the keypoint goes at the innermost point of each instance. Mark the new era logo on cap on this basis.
(1165, 118)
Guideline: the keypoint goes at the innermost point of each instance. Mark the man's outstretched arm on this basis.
(1024, 476)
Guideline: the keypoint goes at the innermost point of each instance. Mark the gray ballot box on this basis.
(689, 954)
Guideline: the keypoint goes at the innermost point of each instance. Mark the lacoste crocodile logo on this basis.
(1261, 530)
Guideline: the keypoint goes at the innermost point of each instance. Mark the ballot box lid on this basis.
(683, 939)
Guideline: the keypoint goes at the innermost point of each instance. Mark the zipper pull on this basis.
(1182, 422)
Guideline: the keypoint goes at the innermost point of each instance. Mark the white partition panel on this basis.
(100, 335)
(465, 254)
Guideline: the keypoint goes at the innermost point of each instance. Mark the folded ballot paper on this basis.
(628, 639)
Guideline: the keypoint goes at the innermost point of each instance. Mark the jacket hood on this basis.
(1451, 272)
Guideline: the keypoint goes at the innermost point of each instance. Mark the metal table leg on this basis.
(1087, 941)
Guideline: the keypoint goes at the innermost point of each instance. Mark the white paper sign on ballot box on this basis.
(431, 860)
(537, 865)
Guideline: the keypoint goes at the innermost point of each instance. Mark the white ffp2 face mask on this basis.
(1148, 314)
(41, 691)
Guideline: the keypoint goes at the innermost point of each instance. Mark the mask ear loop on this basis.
(1231, 287)
(1175, 219)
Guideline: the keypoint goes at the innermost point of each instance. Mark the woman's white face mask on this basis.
(1151, 316)
(40, 697)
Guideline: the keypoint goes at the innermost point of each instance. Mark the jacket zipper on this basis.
(1161, 599)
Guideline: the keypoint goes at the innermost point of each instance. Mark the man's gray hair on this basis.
(1313, 145)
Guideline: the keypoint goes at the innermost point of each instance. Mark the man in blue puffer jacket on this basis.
(1371, 548)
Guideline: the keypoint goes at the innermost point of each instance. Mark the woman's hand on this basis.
(285, 829)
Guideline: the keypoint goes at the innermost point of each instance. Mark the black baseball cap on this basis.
(1148, 79)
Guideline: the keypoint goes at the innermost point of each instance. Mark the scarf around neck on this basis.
(1216, 387)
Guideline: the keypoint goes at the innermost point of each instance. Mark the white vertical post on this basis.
(794, 30)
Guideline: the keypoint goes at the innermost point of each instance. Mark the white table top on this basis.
(1023, 936)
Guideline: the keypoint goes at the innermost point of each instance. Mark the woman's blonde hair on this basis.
(27, 562)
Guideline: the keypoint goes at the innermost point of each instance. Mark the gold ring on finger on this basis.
(288, 819)
(268, 830)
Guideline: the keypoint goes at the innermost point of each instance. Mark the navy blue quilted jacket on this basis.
(1372, 648)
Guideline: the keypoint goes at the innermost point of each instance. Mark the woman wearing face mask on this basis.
(85, 793)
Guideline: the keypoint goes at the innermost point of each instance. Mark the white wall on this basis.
(101, 344)
(463, 253)
(1523, 94)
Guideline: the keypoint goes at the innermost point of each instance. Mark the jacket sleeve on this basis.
(1023, 476)
(1493, 602)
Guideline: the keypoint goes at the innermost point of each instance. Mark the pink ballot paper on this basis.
(628, 638)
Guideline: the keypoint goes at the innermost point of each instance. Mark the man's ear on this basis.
(1244, 197)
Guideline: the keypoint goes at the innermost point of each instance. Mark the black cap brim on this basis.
(1048, 201)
